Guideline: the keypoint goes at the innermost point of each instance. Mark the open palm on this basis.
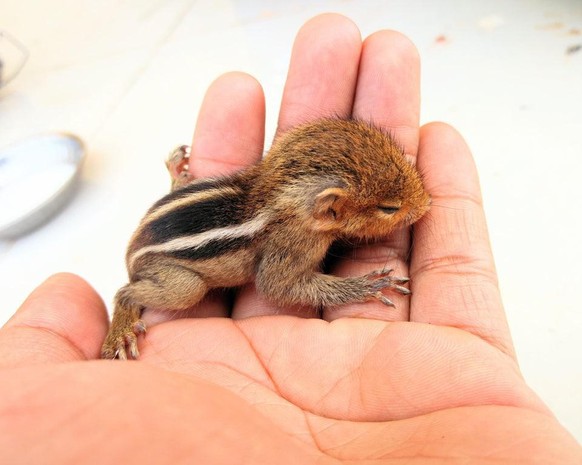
(432, 381)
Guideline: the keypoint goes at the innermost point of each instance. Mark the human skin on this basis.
(433, 381)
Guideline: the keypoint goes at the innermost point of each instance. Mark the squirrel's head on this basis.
(348, 177)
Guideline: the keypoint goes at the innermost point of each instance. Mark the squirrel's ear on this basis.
(329, 206)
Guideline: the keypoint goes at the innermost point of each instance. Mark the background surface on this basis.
(128, 78)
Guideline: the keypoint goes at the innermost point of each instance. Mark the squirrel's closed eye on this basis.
(390, 210)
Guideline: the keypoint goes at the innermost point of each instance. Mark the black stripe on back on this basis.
(217, 212)
(212, 249)
(197, 186)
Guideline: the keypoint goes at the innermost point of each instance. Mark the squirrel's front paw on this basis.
(122, 339)
(381, 279)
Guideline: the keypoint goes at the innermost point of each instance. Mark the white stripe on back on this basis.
(247, 229)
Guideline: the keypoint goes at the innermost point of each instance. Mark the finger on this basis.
(230, 130)
(388, 95)
(323, 71)
(452, 269)
(62, 320)
(229, 136)
(388, 91)
(321, 82)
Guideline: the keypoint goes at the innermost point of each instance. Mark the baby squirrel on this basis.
(272, 222)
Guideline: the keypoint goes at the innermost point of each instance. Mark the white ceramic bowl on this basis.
(37, 177)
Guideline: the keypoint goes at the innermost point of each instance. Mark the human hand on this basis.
(433, 380)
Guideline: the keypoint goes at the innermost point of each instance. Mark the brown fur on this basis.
(320, 182)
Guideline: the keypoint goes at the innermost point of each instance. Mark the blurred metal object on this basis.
(37, 177)
(13, 56)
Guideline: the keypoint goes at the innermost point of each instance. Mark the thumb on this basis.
(62, 320)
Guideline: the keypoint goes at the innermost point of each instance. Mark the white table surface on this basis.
(128, 78)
